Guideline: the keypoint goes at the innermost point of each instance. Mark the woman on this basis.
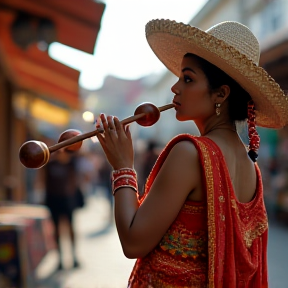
(202, 220)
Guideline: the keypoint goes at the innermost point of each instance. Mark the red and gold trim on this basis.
(125, 177)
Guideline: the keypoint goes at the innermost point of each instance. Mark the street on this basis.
(103, 264)
(278, 256)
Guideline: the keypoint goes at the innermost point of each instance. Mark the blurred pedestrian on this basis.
(86, 172)
(148, 160)
(104, 181)
(62, 197)
(202, 221)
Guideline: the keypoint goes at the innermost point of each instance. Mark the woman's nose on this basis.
(174, 89)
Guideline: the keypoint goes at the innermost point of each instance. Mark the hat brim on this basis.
(170, 41)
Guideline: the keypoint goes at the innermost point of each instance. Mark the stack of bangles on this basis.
(124, 177)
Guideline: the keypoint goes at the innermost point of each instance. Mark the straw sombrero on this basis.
(233, 48)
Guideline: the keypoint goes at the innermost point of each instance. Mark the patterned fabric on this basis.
(218, 244)
(181, 253)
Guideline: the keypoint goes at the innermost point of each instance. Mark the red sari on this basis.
(218, 244)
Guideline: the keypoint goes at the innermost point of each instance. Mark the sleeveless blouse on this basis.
(218, 243)
(182, 251)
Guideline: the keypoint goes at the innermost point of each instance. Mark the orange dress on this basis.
(220, 243)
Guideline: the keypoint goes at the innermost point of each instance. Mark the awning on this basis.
(76, 23)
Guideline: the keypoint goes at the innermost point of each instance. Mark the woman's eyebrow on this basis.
(188, 69)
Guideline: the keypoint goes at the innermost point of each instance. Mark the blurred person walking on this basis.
(87, 173)
(62, 197)
(148, 160)
(104, 181)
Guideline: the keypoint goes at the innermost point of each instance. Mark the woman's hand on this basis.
(116, 142)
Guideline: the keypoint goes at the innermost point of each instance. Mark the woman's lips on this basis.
(176, 103)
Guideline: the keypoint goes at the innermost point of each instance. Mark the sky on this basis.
(121, 48)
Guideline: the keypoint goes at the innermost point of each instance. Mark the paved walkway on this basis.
(278, 255)
(103, 264)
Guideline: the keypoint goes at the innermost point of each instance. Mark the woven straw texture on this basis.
(233, 48)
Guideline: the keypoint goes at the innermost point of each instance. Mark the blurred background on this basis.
(62, 63)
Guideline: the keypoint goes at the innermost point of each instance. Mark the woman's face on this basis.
(192, 97)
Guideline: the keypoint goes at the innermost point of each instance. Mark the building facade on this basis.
(34, 88)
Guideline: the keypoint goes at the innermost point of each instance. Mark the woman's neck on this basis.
(230, 127)
(221, 125)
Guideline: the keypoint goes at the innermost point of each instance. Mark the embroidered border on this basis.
(249, 231)
(210, 212)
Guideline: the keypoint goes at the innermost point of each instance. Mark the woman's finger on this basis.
(101, 139)
(104, 122)
(111, 126)
(128, 132)
(118, 125)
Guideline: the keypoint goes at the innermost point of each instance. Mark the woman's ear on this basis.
(221, 94)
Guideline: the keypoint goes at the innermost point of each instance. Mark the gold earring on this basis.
(218, 109)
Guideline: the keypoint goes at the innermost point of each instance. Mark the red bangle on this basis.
(124, 181)
(123, 171)
(124, 177)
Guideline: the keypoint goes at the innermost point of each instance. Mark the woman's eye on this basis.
(187, 79)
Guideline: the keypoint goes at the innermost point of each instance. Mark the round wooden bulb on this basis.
(70, 133)
(152, 114)
(34, 154)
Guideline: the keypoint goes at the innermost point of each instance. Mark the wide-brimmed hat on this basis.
(233, 48)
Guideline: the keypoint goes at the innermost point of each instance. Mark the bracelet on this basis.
(123, 171)
(124, 182)
(124, 177)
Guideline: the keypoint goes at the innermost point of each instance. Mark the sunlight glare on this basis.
(121, 48)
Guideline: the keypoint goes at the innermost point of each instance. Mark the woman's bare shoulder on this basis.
(182, 155)
(182, 162)
(185, 148)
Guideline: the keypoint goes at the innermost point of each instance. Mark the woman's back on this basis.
(240, 166)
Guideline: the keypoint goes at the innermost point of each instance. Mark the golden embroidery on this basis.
(210, 211)
(191, 209)
(249, 230)
(164, 270)
(252, 234)
(180, 241)
(221, 198)
(234, 205)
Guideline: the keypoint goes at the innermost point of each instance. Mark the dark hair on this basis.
(238, 98)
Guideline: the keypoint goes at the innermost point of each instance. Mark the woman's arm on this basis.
(141, 228)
